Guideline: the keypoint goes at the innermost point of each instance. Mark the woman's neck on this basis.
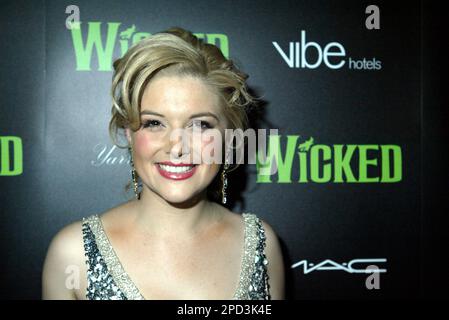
(156, 216)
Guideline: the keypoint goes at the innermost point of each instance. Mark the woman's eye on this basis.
(156, 123)
(151, 123)
(202, 124)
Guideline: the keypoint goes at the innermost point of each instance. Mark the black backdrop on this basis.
(58, 112)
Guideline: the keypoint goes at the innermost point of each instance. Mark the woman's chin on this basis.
(182, 198)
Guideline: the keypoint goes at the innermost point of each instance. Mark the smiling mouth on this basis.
(176, 169)
(177, 172)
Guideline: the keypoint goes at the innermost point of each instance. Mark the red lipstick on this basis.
(169, 173)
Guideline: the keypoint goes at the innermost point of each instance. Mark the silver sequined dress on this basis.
(107, 280)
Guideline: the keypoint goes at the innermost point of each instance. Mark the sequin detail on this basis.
(107, 279)
(114, 267)
(253, 278)
(100, 284)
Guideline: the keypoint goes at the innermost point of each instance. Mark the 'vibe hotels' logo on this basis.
(92, 37)
(305, 54)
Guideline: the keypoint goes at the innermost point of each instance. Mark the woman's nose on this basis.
(178, 143)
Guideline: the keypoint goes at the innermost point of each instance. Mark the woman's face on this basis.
(185, 104)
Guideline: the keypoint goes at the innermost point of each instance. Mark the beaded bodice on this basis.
(107, 280)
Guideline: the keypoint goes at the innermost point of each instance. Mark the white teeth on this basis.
(174, 169)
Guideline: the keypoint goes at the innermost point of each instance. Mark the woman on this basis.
(173, 241)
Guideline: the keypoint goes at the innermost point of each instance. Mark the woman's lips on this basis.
(176, 175)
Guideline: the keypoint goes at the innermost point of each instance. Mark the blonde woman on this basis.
(174, 240)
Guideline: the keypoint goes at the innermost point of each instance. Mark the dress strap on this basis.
(254, 278)
(111, 260)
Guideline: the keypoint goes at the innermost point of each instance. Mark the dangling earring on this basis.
(134, 176)
(224, 178)
(224, 183)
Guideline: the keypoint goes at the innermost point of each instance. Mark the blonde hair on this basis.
(175, 51)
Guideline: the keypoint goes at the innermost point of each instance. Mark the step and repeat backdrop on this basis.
(340, 80)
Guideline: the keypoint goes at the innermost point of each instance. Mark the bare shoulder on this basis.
(275, 268)
(69, 237)
(65, 256)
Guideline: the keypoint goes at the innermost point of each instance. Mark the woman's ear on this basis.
(128, 135)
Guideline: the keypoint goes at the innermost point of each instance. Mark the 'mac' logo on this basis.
(349, 267)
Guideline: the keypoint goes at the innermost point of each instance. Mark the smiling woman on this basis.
(176, 239)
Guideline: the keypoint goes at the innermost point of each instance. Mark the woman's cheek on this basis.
(212, 143)
(143, 143)
(208, 151)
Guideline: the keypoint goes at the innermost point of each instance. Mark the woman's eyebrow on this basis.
(201, 114)
(152, 113)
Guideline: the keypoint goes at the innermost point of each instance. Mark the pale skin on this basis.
(174, 243)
